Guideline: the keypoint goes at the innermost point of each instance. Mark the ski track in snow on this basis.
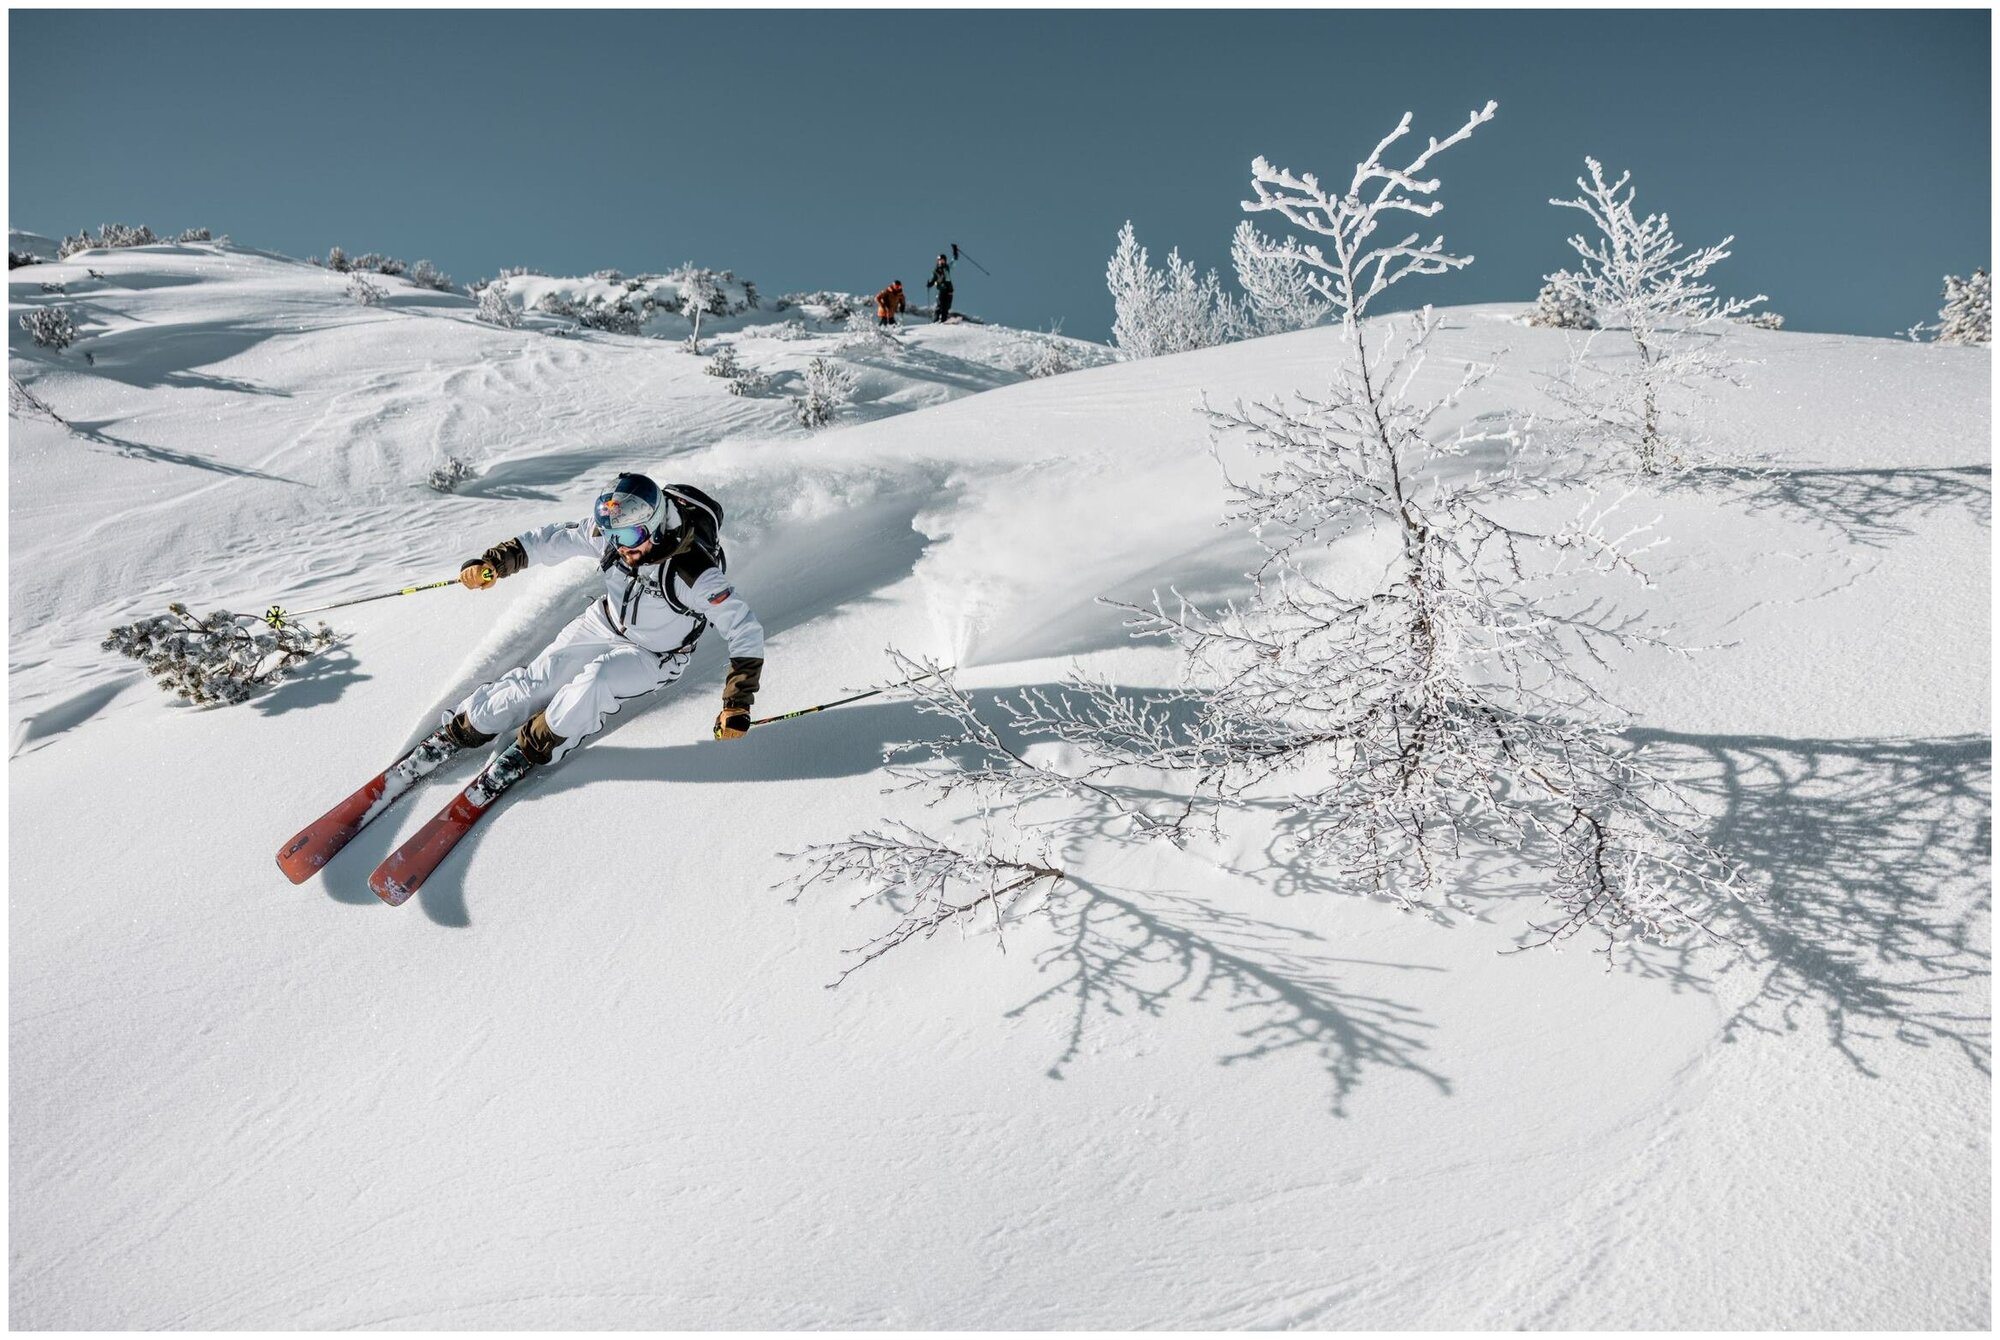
(592, 1076)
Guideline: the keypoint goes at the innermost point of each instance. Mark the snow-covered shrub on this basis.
(839, 306)
(194, 235)
(108, 235)
(1637, 389)
(828, 387)
(1561, 308)
(425, 275)
(447, 477)
(1761, 321)
(494, 309)
(1967, 314)
(1273, 276)
(791, 328)
(1166, 311)
(56, 290)
(363, 292)
(742, 380)
(17, 259)
(377, 263)
(619, 318)
(336, 260)
(50, 326)
(223, 658)
(609, 276)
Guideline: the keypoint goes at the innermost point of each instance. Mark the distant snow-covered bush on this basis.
(619, 318)
(447, 477)
(222, 658)
(742, 380)
(1761, 321)
(17, 259)
(108, 235)
(425, 275)
(1967, 314)
(50, 326)
(1166, 311)
(363, 292)
(494, 309)
(1562, 309)
(839, 306)
(1050, 355)
(194, 235)
(336, 260)
(828, 387)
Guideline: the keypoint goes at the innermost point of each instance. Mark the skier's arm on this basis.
(545, 544)
(715, 596)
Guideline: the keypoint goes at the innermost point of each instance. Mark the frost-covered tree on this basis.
(1636, 389)
(336, 260)
(1560, 308)
(700, 293)
(494, 309)
(828, 387)
(51, 327)
(194, 235)
(1967, 315)
(1402, 726)
(1166, 311)
(222, 658)
(1273, 278)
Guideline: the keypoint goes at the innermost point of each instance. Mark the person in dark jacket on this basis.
(941, 281)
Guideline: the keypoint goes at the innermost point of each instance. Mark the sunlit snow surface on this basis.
(591, 1076)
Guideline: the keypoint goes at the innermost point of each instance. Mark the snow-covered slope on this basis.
(591, 1077)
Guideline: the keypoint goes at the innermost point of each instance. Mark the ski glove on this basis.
(476, 576)
(502, 560)
(732, 723)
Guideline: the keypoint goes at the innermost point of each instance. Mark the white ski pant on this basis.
(587, 674)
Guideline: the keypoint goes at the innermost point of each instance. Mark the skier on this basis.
(888, 303)
(665, 582)
(941, 281)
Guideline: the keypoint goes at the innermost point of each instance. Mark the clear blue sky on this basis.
(1849, 152)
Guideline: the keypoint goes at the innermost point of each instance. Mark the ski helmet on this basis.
(635, 511)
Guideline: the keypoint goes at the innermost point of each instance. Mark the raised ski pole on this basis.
(956, 254)
(278, 616)
(886, 688)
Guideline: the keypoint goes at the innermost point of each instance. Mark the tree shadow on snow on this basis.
(1865, 506)
(1876, 856)
(1136, 952)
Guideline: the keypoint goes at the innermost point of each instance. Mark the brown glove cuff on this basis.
(505, 558)
(746, 673)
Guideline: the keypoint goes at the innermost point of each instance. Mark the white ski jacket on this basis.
(655, 606)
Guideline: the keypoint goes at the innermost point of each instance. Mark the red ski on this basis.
(407, 867)
(321, 840)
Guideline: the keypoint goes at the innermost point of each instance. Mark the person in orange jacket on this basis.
(888, 303)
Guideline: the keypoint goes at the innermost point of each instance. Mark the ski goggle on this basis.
(626, 518)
